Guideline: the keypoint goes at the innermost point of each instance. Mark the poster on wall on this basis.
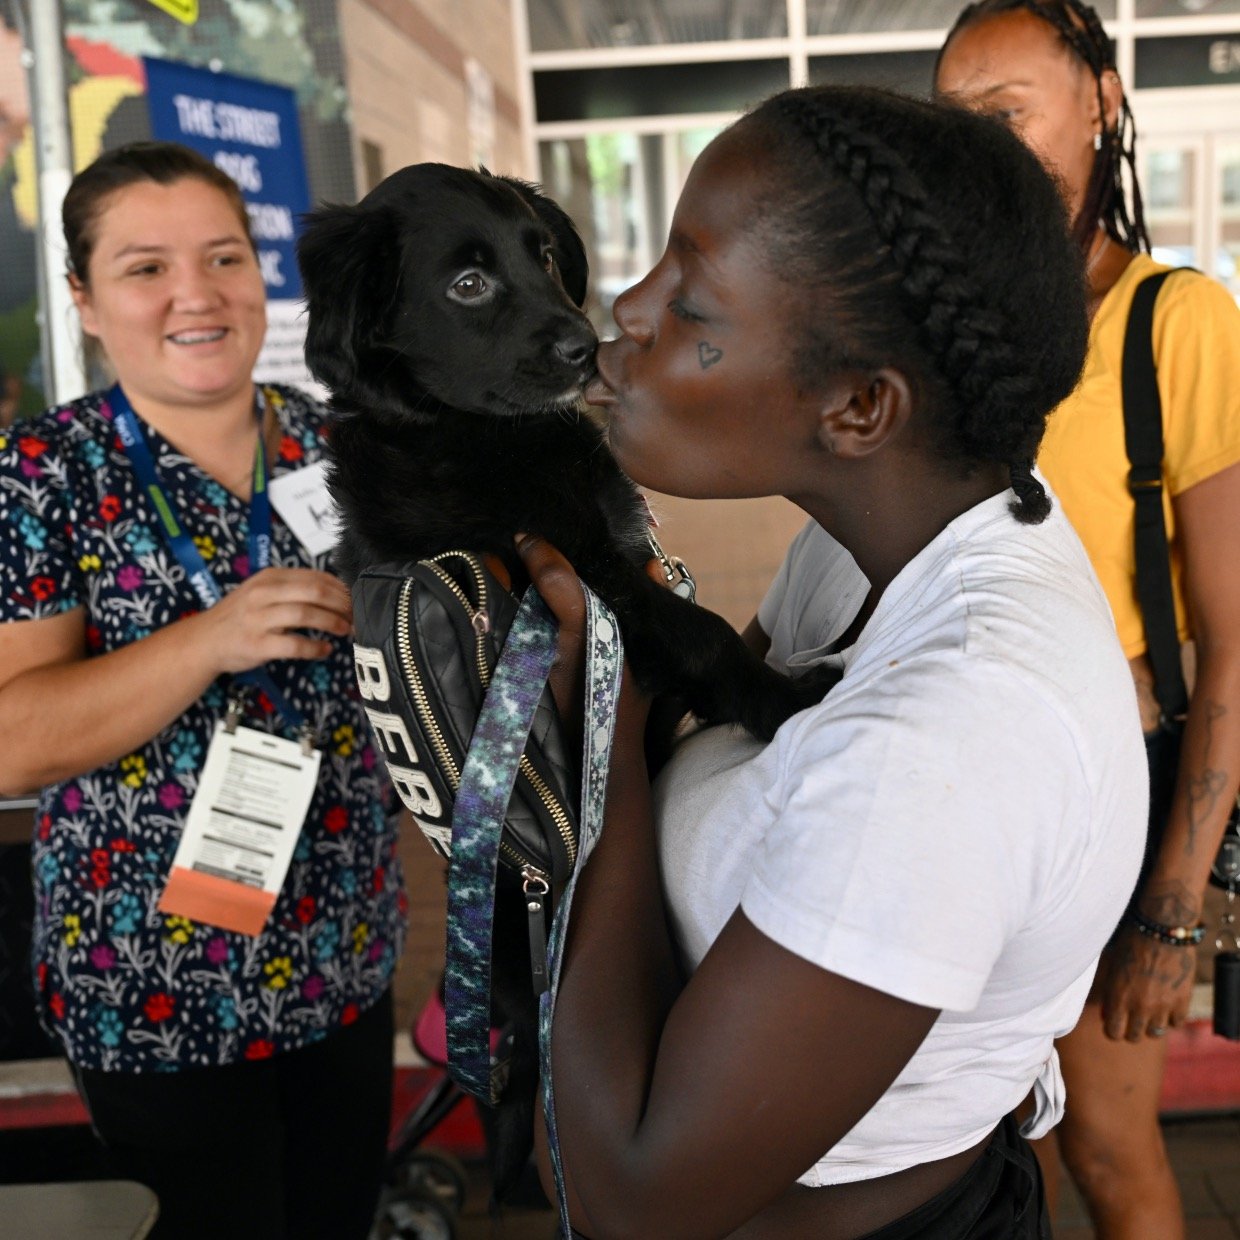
(250, 130)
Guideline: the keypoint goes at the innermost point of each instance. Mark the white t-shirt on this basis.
(959, 823)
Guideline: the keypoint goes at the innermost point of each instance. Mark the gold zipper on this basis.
(558, 816)
(478, 617)
(481, 624)
(421, 702)
(519, 859)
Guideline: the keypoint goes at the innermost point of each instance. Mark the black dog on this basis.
(444, 318)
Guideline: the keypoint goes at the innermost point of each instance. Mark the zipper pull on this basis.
(535, 889)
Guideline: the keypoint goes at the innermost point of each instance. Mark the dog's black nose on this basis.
(577, 348)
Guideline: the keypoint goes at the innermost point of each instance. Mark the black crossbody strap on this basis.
(1143, 439)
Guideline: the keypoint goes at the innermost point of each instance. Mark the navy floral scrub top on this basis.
(122, 985)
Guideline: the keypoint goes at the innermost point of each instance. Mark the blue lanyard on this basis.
(133, 441)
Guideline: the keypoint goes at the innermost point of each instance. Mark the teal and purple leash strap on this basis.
(478, 814)
(604, 666)
(477, 823)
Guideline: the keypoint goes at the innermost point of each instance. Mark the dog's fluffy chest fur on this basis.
(411, 490)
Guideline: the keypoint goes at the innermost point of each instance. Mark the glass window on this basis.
(1227, 254)
(1187, 60)
(869, 16)
(601, 181)
(910, 72)
(1185, 8)
(656, 90)
(560, 25)
(620, 189)
(1168, 191)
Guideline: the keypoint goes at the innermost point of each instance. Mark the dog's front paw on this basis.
(784, 696)
(814, 683)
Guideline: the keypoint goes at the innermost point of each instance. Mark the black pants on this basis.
(287, 1148)
(1000, 1197)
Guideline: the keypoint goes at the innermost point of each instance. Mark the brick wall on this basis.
(405, 69)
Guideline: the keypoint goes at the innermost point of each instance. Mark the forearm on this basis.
(67, 718)
(619, 982)
(1205, 792)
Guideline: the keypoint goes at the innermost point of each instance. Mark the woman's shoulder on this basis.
(297, 402)
(1185, 290)
(57, 433)
(1195, 300)
(304, 419)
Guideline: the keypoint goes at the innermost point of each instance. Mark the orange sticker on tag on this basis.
(216, 901)
(241, 829)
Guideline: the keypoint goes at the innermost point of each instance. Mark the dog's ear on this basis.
(350, 274)
(570, 254)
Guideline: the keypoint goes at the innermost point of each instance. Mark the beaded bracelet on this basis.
(1170, 936)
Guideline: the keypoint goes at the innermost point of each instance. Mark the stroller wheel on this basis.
(409, 1216)
(433, 1174)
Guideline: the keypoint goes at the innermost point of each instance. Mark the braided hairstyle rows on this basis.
(1106, 201)
(911, 225)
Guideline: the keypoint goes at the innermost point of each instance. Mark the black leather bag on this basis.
(427, 636)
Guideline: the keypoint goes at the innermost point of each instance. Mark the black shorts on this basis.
(1000, 1197)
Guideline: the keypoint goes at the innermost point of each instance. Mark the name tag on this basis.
(241, 830)
(306, 507)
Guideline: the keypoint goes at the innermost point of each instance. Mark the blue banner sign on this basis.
(251, 131)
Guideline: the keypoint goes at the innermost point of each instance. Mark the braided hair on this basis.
(1106, 202)
(910, 225)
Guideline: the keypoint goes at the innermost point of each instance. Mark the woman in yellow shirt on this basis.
(1046, 67)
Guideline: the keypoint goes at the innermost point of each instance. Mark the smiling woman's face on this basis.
(699, 389)
(174, 293)
(1016, 66)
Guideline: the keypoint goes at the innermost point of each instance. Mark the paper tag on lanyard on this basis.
(255, 789)
(253, 795)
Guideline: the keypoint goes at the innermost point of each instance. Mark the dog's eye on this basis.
(548, 260)
(469, 287)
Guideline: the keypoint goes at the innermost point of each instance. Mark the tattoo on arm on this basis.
(1204, 789)
(1170, 904)
(708, 355)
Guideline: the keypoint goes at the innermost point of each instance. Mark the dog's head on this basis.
(442, 282)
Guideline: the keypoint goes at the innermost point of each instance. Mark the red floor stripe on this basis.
(1203, 1071)
(1203, 1075)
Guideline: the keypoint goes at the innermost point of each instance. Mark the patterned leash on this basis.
(604, 665)
(487, 781)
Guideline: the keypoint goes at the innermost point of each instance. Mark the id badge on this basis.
(306, 507)
(241, 830)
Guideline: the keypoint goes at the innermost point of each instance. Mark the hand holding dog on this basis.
(554, 578)
(261, 619)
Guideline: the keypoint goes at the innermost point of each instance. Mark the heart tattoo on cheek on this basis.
(708, 355)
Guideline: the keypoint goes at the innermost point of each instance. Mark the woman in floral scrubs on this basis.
(245, 1077)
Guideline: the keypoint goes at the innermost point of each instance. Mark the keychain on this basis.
(1227, 972)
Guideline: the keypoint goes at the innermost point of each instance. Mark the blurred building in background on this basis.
(626, 92)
